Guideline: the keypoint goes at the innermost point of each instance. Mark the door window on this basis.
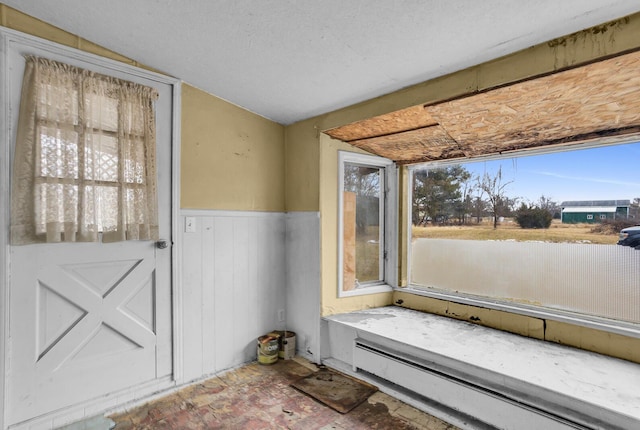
(85, 157)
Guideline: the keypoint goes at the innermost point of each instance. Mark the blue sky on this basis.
(604, 173)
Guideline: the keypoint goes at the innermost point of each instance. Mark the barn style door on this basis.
(89, 323)
(87, 320)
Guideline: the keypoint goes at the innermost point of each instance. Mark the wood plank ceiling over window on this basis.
(586, 103)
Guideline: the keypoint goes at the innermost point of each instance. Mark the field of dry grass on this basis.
(509, 230)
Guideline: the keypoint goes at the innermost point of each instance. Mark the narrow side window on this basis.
(364, 225)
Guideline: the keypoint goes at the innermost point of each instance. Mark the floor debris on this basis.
(261, 397)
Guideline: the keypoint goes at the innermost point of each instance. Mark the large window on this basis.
(536, 233)
(366, 184)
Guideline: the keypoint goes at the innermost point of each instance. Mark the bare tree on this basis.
(465, 205)
(362, 180)
(549, 205)
(494, 188)
(478, 206)
(507, 205)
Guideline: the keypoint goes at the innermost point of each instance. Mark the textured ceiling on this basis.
(288, 60)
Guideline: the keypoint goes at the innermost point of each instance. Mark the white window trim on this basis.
(390, 222)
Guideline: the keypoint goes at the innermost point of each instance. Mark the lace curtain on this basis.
(84, 165)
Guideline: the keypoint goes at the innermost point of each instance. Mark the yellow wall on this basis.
(302, 167)
(519, 324)
(579, 48)
(231, 159)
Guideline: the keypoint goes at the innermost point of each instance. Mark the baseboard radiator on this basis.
(488, 398)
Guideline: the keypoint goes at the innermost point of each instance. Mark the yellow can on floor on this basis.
(268, 348)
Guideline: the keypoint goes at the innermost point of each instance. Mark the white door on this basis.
(89, 320)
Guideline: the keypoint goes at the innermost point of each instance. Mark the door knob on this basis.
(162, 244)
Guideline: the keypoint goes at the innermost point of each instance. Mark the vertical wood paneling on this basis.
(255, 247)
(192, 297)
(272, 291)
(222, 330)
(303, 281)
(208, 263)
(241, 266)
(233, 283)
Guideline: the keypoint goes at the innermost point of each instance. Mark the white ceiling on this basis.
(288, 60)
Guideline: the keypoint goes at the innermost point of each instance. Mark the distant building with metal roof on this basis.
(593, 211)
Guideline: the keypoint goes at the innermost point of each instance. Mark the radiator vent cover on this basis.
(490, 398)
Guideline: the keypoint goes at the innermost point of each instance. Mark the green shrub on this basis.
(533, 217)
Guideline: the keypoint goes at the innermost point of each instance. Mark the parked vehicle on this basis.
(630, 236)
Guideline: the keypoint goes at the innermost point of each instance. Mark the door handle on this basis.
(162, 244)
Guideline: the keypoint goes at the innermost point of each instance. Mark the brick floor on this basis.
(259, 397)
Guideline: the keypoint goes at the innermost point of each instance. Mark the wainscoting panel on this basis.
(233, 286)
(303, 281)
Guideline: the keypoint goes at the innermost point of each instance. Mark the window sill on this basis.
(608, 325)
(369, 289)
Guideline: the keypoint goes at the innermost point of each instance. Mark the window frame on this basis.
(388, 218)
(583, 320)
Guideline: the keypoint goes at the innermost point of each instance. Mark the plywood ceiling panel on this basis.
(597, 100)
(394, 122)
(423, 144)
(600, 98)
